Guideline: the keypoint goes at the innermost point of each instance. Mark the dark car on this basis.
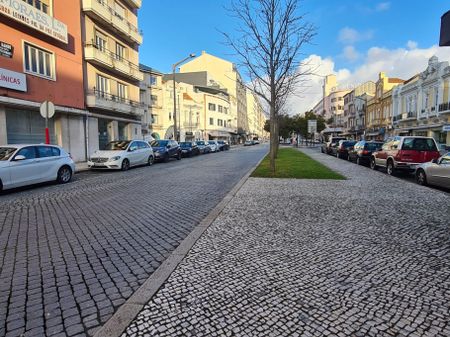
(189, 149)
(223, 145)
(362, 151)
(164, 149)
(342, 148)
(203, 146)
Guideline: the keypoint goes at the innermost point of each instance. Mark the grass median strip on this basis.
(295, 164)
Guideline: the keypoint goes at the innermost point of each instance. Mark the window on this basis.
(38, 61)
(153, 80)
(42, 5)
(225, 123)
(170, 116)
(48, 151)
(101, 41)
(220, 122)
(225, 110)
(28, 152)
(153, 99)
(120, 52)
(102, 85)
(119, 11)
(212, 107)
(211, 121)
(154, 119)
(121, 91)
(220, 108)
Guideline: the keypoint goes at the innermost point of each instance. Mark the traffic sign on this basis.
(47, 109)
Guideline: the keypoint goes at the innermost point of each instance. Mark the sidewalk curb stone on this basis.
(126, 313)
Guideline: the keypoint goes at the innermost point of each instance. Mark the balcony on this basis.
(190, 125)
(100, 11)
(105, 101)
(444, 107)
(411, 115)
(105, 58)
(134, 3)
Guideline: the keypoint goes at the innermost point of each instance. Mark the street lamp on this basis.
(174, 68)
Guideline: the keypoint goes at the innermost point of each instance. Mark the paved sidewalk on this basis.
(369, 256)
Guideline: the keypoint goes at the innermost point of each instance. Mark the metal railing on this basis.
(116, 14)
(113, 55)
(114, 98)
(444, 106)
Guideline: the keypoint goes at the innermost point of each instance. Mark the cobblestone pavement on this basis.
(70, 255)
(368, 256)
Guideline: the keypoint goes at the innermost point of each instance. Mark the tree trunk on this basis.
(273, 135)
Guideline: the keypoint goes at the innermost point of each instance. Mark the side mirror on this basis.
(19, 157)
(435, 161)
(132, 149)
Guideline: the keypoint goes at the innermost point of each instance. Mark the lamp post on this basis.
(174, 68)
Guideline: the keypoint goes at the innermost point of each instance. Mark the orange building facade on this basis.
(41, 59)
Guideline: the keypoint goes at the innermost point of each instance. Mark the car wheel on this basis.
(150, 161)
(179, 156)
(358, 161)
(390, 169)
(373, 165)
(321, 149)
(64, 175)
(421, 177)
(125, 165)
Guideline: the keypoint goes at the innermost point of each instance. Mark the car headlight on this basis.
(114, 158)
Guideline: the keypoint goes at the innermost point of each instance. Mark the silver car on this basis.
(436, 172)
(22, 165)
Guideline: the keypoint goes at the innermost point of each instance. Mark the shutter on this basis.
(27, 127)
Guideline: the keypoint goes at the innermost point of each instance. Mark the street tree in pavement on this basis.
(268, 43)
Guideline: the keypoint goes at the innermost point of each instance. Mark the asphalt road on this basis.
(70, 255)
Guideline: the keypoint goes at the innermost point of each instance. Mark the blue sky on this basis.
(353, 37)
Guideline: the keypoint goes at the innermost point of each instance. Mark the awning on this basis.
(219, 134)
(422, 127)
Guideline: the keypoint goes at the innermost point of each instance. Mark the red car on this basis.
(404, 153)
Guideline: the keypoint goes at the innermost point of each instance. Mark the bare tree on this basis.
(268, 43)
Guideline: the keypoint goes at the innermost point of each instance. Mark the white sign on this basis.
(12, 80)
(446, 128)
(312, 126)
(47, 109)
(20, 11)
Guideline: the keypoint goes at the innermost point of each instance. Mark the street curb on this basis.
(128, 311)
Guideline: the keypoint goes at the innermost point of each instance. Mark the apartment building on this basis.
(111, 70)
(421, 104)
(227, 76)
(41, 60)
(379, 108)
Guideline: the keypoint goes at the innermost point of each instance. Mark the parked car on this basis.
(121, 155)
(22, 165)
(436, 172)
(189, 149)
(342, 148)
(362, 151)
(223, 145)
(331, 144)
(249, 143)
(165, 149)
(203, 146)
(214, 145)
(404, 153)
(255, 141)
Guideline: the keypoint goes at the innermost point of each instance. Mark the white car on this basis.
(436, 172)
(121, 155)
(215, 147)
(22, 165)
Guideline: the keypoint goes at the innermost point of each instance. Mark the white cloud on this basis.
(411, 44)
(349, 35)
(383, 6)
(401, 62)
(350, 54)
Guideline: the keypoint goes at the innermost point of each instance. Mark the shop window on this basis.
(38, 61)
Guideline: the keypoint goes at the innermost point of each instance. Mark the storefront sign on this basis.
(6, 50)
(446, 128)
(21, 11)
(12, 80)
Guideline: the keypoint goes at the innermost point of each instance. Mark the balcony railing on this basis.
(444, 107)
(106, 101)
(105, 57)
(190, 125)
(113, 19)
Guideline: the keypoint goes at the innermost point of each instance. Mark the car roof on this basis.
(25, 145)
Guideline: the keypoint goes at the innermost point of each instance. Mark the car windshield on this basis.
(185, 144)
(211, 142)
(419, 144)
(159, 143)
(117, 145)
(200, 143)
(373, 146)
(6, 152)
(350, 143)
